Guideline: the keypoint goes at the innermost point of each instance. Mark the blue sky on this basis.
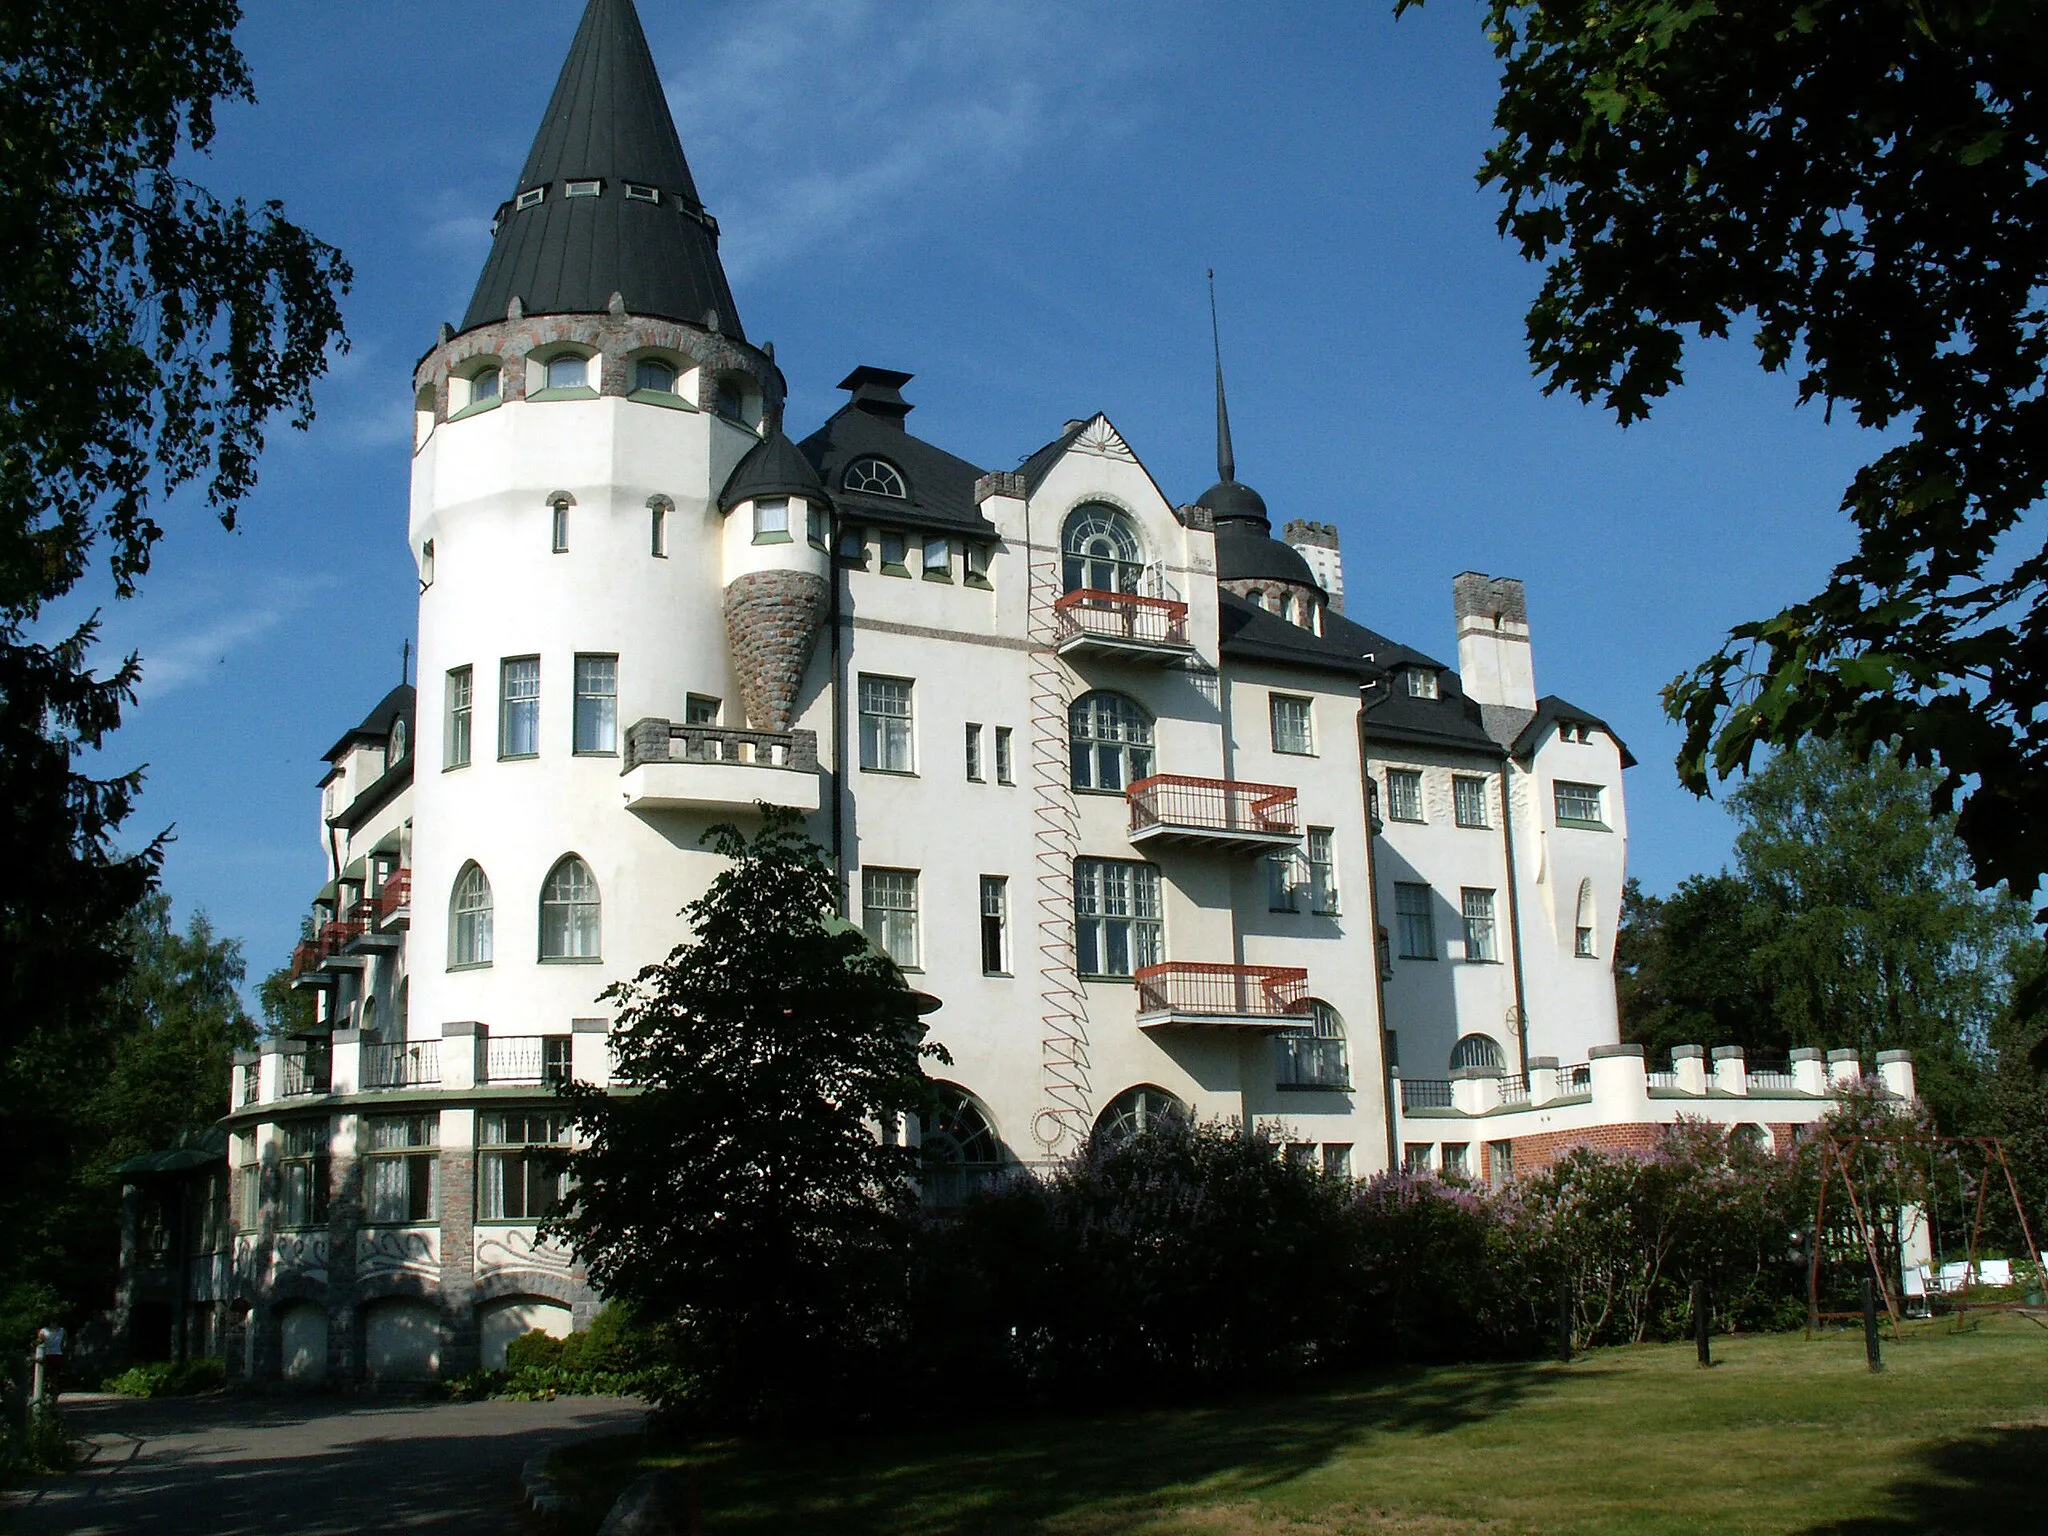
(1016, 201)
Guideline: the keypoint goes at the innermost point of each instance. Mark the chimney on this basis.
(1317, 544)
(1494, 662)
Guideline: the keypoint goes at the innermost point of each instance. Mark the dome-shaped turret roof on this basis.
(1230, 500)
(773, 467)
(1246, 553)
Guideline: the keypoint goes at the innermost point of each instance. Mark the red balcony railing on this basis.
(1122, 617)
(1187, 988)
(306, 956)
(397, 893)
(338, 935)
(1213, 805)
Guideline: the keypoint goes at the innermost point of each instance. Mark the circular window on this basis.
(874, 477)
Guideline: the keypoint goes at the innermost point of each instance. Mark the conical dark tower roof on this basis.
(608, 122)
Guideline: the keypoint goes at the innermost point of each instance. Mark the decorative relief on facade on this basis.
(1103, 440)
(303, 1254)
(398, 1251)
(520, 1248)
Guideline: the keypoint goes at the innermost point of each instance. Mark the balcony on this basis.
(402, 1064)
(302, 1073)
(525, 1059)
(672, 767)
(309, 964)
(391, 907)
(1185, 992)
(1213, 813)
(1121, 626)
(369, 936)
(338, 946)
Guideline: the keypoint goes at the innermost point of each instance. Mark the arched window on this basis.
(652, 373)
(1477, 1051)
(1583, 945)
(960, 1146)
(875, 477)
(469, 918)
(397, 741)
(367, 1022)
(568, 370)
(1315, 1055)
(1136, 1111)
(401, 1020)
(485, 386)
(1102, 551)
(569, 912)
(1111, 737)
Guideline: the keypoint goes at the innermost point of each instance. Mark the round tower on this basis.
(777, 570)
(575, 435)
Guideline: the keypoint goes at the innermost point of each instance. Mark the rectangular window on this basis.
(1500, 1162)
(1421, 683)
(938, 559)
(1301, 1154)
(1322, 871)
(1404, 794)
(700, 709)
(1582, 944)
(817, 524)
(977, 565)
(560, 523)
(1468, 798)
(1117, 926)
(995, 925)
(1283, 881)
(1578, 805)
(302, 1177)
(597, 704)
(885, 723)
(657, 532)
(1293, 724)
(1004, 767)
(519, 706)
(1454, 1159)
(771, 520)
(974, 752)
(1413, 916)
(401, 1168)
(1416, 1156)
(426, 565)
(461, 682)
(1337, 1159)
(1478, 913)
(853, 546)
(519, 1175)
(888, 912)
(895, 554)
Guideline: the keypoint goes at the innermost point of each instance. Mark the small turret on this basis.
(777, 560)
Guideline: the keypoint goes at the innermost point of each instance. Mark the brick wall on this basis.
(771, 620)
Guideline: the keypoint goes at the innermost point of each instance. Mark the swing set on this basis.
(1914, 1187)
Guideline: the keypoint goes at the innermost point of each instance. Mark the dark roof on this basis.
(1251, 632)
(773, 467)
(376, 725)
(607, 121)
(1035, 468)
(1551, 711)
(1232, 501)
(200, 1150)
(1245, 553)
(871, 425)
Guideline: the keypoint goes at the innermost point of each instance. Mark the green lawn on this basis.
(1782, 1435)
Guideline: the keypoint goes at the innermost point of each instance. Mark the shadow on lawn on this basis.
(1988, 1482)
(1109, 1474)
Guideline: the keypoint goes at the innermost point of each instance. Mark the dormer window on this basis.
(654, 374)
(568, 371)
(875, 477)
(397, 740)
(637, 193)
(583, 189)
(529, 199)
(1421, 683)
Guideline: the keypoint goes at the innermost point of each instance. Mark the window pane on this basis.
(1292, 729)
(889, 912)
(597, 703)
(1414, 919)
(1404, 794)
(519, 708)
(567, 372)
(459, 712)
(885, 724)
(771, 516)
(1469, 795)
(1579, 802)
(1478, 915)
(974, 752)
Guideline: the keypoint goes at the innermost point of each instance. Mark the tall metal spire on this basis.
(1226, 460)
(636, 226)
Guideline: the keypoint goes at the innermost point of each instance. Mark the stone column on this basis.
(590, 1057)
(462, 1044)
(1895, 1070)
(1690, 1064)
(1621, 1084)
(344, 1222)
(345, 1063)
(1845, 1069)
(1731, 1070)
(1545, 1081)
(461, 1348)
(1809, 1071)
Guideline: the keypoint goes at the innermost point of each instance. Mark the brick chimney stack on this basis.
(1494, 660)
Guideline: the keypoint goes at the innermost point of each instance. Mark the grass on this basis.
(1783, 1435)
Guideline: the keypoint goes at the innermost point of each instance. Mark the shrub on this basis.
(613, 1355)
(1442, 1271)
(170, 1378)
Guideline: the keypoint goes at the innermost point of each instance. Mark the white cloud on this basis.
(849, 119)
(186, 637)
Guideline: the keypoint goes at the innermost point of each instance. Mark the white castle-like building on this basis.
(1111, 775)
